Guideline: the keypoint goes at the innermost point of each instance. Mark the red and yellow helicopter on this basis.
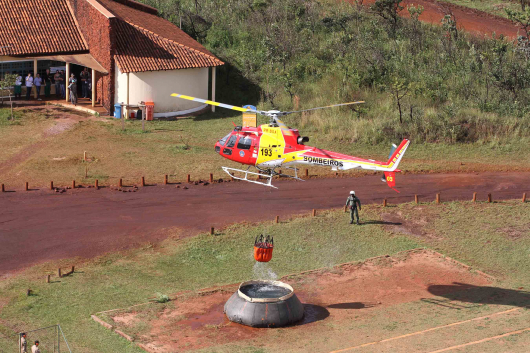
(272, 146)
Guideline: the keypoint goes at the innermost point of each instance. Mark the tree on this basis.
(6, 83)
(522, 19)
(389, 11)
(400, 89)
(415, 12)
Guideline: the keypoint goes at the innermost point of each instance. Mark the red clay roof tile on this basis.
(146, 42)
(38, 27)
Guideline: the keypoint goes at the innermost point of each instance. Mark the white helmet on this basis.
(352, 192)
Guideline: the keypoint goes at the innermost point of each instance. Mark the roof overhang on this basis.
(78, 59)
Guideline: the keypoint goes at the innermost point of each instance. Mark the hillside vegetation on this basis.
(429, 83)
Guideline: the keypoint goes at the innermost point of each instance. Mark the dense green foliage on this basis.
(428, 83)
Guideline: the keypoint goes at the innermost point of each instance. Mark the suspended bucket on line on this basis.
(263, 248)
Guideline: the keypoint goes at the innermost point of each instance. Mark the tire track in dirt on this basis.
(64, 121)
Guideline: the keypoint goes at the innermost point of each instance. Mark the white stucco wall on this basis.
(157, 86)
(120, 92)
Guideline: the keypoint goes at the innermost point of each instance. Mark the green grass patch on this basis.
(491, 237)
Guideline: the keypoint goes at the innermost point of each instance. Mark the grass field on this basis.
(185, 147)
(491, 237)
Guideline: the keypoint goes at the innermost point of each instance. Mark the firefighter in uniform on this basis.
(35, 348)
(23, 343)
(352, 201)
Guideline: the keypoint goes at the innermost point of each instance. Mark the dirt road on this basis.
(475, 21)
(41, 225)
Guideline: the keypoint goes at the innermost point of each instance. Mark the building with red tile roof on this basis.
(134, 54)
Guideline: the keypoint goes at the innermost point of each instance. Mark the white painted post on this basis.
(35, 74)
(93, 88)
(127, 107)
(66, 83)
(213, 86)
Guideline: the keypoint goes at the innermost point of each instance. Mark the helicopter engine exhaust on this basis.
(302, 139)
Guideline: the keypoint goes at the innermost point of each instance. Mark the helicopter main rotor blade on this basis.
(328, 106)
(217, 104)
(282, 125)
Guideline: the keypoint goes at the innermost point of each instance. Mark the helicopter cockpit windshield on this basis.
(223, 140)
(244, 143)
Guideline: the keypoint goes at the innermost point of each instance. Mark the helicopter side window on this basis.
(232, 141)
(223, 140)
(244, 143)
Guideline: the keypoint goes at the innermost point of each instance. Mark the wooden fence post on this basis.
(524, 194)
(142, 182)
(59, 273)
(96, 184)
(474, 197)
(120, 183)
(189, 178)
(489, 198)
(384, 203)
(51, 185)
(314, 213)
(277, 219)
(48, 279)
(211, 178)
(4, 189)
(212, 231)
(73, 184)
(437, 198)
(27, 186)
(165, 179)
(416, 199)
(306, 172)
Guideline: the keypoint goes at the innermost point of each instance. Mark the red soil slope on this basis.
(471, 20)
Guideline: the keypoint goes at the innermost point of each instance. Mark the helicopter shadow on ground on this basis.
(234, 89)
(470, 294)
(352, 305)
(380, 222)
(312, 313)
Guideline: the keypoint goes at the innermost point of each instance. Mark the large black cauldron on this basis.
(264, 304)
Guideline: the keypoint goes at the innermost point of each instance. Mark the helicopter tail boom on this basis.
(396, 156)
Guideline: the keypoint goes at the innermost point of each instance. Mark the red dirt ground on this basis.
(471, 20)
(88, 222)
(347, 292)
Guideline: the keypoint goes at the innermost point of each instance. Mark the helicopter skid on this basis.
(291, 176)
(231, 171)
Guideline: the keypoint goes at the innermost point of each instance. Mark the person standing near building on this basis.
(23, 343)
(84, 77)
(47, 78)
(35, 348)
(352, 201)
(62, 83)
(57, 80)
(29, 85)
(72, 86)
(37, 82)
(18, 86)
